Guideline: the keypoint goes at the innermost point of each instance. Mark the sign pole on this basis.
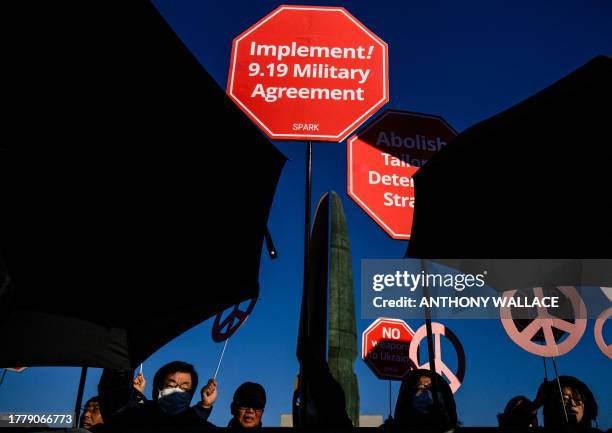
(220, 359)
(430, 343)
(304, 325)
(307, 219)
(389, 399)
(79, 400)
(560, 391)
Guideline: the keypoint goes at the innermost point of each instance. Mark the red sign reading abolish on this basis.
(385, 346)
(309, 73)
(382, 160)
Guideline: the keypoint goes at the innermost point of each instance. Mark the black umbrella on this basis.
(134, 194)
(529, 182)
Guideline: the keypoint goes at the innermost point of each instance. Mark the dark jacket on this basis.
(440, 416)
(124, 406)
(234, 424)
(140, 412)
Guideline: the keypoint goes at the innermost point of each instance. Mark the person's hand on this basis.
(209, 393)
(542, 395)
(139, 383)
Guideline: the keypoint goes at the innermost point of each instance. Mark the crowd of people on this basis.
(174, 386)
(568, 404)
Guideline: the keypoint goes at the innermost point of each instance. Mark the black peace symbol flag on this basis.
(134, 194)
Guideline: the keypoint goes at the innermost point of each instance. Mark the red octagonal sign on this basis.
(385, 348)
(382, 160)
(309, 73)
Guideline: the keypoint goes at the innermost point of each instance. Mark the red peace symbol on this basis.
(546, 322)
(598, 331)
(438, 330)
(224, 329)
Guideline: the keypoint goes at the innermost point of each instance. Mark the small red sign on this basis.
(17, 369)
(309, 73)
(382, 160)
(385, 348)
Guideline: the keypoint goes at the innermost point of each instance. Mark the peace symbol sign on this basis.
(224, 329)
(439, 330)
(599, 323)
(546, 322)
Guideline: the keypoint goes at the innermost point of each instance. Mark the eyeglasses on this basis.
(91, 409)
(244, 409)
(568, 399)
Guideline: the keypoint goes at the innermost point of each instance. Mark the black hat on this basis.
(250, 394)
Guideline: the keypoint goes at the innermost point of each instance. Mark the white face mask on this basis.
(173, 400)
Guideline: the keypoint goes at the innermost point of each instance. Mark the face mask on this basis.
(173, 400)
(422, 402)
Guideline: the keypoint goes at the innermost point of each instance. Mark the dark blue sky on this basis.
(464, 61)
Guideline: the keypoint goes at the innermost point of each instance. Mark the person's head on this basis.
(248, 404)
(423, 383)
(91, 414)
(519, 414)
(578, 402)
(174, 385)
(415, 406)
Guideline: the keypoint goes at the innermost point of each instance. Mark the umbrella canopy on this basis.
(135, 195)
(529, 182)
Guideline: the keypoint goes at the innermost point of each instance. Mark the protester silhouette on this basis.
(520, 414)
(91, 415)
(115, 391)
(416, 409)
(174, 386)
(248, 406)
(569, 397)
